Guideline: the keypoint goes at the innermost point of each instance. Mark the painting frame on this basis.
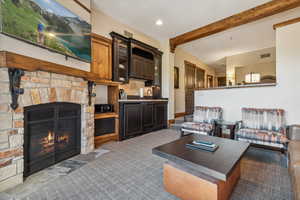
(176, 77)
(46, 30)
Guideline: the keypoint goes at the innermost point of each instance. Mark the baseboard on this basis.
(171, 121)
(182, 114)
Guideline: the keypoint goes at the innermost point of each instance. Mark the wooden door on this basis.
(149, 70)
(161, 110)
(210, 81)
(133, 119)
(189, 87)
(221, 81)
(136, 67)
(200, 78)
(102, 57)
(148, 116)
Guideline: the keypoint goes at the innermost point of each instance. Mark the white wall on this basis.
(103, 24)
(247, 59)
(268, 68)
(17, 46)
(285, 95)
(181, 56)
(101, 94)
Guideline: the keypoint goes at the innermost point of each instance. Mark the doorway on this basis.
(194, 79)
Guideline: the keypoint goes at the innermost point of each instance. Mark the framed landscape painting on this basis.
(47, 24)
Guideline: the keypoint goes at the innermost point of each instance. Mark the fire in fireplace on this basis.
(52, 134)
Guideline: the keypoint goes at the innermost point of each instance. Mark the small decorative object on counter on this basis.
(122, 94)
(141, 92)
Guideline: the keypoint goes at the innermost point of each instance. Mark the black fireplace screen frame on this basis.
(73, 113)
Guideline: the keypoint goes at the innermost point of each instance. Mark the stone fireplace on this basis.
(52, 91)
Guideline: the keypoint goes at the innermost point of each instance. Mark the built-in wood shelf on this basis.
(99, 140)
(13, 60)
(107, 83)
(106, 115)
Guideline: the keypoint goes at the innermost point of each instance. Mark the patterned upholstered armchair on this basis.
(202, 121)
(263, 127)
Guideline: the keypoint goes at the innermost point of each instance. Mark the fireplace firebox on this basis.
(52, 134)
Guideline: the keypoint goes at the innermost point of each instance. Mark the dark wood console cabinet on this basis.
(137, 118)
(134, 59)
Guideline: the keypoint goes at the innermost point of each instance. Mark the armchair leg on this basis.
(181, 133)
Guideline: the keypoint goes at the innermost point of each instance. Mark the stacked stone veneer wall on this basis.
(40, 88)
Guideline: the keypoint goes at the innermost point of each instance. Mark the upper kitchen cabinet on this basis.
(135, 59)
(101, 57)
(121, 57)
(142, 61)
(157, 68)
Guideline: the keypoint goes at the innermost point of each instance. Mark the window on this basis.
(252, 78)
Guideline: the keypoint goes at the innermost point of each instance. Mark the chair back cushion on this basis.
(207, 114)
(264, 119)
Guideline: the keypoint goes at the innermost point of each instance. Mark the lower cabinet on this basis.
(133, 119)
(148, 116)
(137, 118)
(161, 118)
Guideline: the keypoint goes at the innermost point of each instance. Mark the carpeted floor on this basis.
(130, 172)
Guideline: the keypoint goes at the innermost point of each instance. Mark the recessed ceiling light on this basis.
(159, 22)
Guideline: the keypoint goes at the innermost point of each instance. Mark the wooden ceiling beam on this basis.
(265, 10)
(292, 21)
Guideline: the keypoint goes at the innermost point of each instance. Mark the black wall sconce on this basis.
(14, 86)
(91, 84)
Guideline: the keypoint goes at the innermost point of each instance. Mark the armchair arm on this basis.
(293, 132)
(238, 125)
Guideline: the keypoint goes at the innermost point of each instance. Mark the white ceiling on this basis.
(181, 16)
(178, 16)
(250, 37)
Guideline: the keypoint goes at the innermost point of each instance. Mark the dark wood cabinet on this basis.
(133, 119)
(121, 58)
(161, 115)
(142, 117)
(142, 63)
(134, 59)
(137, 66)
(157, 69)
(148, 116)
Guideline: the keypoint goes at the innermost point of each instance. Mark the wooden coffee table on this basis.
(200, 175)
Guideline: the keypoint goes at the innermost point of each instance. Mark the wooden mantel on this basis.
(265, 10)
(13, 60)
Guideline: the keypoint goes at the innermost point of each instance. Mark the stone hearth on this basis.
(39, 88)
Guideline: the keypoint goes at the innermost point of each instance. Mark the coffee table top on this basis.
(218, 164)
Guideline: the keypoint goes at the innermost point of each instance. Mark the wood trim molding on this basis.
(265, 10)
(182, 114)
(101, 38)
(83, 6)
(13, 60)
(285, 23)
(170, 122)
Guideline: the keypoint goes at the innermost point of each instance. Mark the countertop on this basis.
(241, 86)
